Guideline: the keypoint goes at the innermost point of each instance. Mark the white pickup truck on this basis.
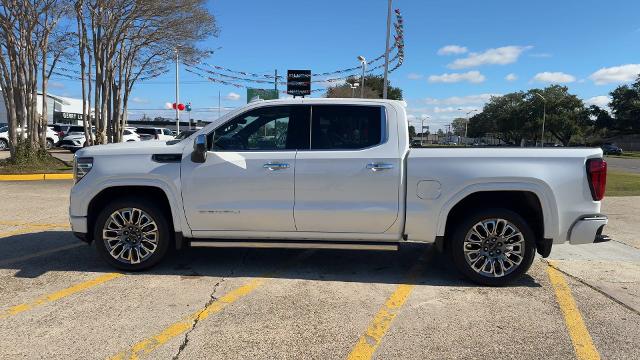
(335, 173)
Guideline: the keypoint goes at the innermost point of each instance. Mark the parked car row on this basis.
(52, 138)
(72, 137)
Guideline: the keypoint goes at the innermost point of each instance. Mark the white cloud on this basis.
(554, 77)
(498, 56)
(616, 74)
(452, 49)
(600, 101)
(471, 76)
(139, 100)
(232, 96)
(478, 99)
(414, 76)
(511, 77)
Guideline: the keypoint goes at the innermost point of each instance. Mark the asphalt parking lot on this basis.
(59, 300)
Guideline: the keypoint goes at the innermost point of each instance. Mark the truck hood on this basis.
(149, 147)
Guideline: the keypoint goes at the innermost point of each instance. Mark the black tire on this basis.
(4, 145)
(457, 245)
(73, 150)
(49, 144)
(152, 210)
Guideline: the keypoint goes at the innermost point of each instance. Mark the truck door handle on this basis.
(379, 166)
(275, 166)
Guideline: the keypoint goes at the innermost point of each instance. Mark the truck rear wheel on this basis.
(132, 234)
(493, 247)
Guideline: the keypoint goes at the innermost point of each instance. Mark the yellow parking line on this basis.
(58, 176)
(35, 177)
(23, 177)
(148, 345)
(370, 340)
(45, 299)
(580, 337)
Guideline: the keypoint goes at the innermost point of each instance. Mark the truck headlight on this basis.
(81, 167)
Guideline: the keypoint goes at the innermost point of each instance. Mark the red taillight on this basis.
(597, 174)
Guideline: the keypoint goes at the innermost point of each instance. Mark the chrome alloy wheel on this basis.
(130, 235)
(494, 247)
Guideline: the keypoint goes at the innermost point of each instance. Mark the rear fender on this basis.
(539, 188)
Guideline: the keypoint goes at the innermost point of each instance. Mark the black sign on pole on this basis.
(299, 82)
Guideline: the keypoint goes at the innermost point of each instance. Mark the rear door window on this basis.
(346, 127)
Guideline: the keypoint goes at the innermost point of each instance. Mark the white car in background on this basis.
(155, 133)
(52, 138)
(75, 141)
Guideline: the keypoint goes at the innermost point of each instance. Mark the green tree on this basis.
(372, 88)
(566, 114)
(509, 116)
(602, 119)
(412, 131)
(625, 105)
(517, 116)
(458, 125)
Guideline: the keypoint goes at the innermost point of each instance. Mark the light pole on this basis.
(466, 123)
(386, 53)
(422, 119)
(363, 61)
(544, 117)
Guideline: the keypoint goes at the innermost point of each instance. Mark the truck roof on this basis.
(354, 101)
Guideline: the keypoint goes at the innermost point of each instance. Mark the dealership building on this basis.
(60, 109)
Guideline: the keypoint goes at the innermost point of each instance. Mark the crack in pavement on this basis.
(185, 341)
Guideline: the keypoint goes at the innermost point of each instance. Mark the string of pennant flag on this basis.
(227, 76)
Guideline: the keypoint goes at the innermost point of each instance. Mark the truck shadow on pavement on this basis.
(34, 254)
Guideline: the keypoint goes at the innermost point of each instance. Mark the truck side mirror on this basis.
(199, 154)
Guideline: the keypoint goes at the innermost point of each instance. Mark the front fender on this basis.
(82, 196)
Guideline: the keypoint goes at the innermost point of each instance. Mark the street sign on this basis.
(299, 82)
(264, 94)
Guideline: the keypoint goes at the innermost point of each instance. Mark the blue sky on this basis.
(457, 52)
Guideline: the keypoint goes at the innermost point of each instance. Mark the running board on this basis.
(311, 244)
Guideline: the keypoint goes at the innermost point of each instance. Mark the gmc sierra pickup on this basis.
(334, 173)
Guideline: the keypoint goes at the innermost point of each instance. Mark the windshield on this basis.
(4, 129)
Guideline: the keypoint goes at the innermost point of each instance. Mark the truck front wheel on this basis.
(132, 234)
(493, 247)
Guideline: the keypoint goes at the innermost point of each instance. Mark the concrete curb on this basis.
(35, 177)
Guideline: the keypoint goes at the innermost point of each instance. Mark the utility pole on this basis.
(544, 117)
(218, 104)
(275, 81)
(386, 53)
(177, 95)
